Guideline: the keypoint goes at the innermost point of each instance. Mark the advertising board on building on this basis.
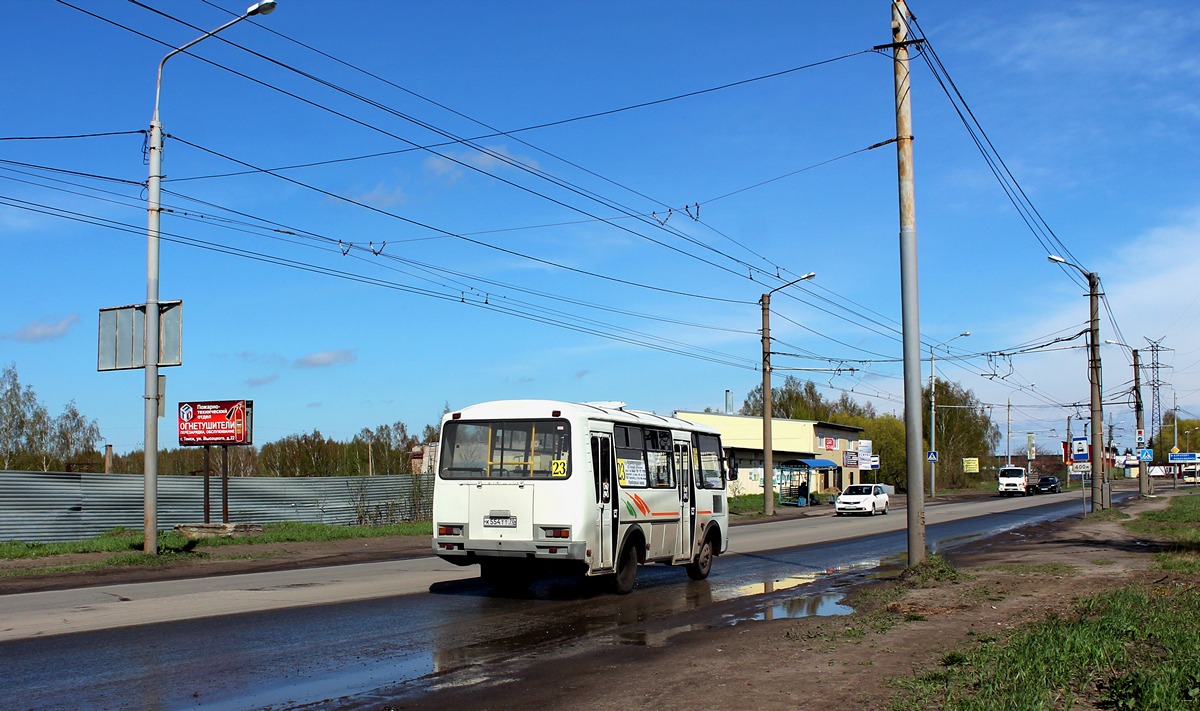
(221, 422)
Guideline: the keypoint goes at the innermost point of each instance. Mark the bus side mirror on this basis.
(733, 469)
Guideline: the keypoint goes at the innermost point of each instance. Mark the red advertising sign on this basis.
(216, 422)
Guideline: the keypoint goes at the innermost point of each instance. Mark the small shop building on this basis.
(808, 456)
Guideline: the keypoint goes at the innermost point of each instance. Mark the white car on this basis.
(862, 499)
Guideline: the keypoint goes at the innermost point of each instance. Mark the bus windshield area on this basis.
(509, 449)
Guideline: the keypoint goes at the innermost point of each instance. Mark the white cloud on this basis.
(41, 331)
(325, 359)
(381, 196)
(259, 382)
(1090, 38)
(450, 171)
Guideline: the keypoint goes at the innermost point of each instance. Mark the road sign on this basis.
(1079, 449)
(1145, 455)
(1141, 436)
(1081, 467)
(932, 456)
(1176, 458)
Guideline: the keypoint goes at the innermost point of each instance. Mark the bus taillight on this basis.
(450, 530)
(556, 532)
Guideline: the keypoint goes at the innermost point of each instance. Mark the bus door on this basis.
(604, 476)
(687, 500)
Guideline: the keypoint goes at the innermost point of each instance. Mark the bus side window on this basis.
(709, 448)
(602, 468)
(659, 451)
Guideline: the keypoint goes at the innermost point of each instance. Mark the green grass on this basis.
(747, 505)
(1179, 522)
(1107, 515)
(1130, 648)
(934, 569)
(123, 540)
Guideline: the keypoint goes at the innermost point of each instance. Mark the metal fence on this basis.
(63, 506)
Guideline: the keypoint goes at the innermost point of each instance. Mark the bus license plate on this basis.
(500, 521)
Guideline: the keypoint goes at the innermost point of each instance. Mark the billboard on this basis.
(216, 422)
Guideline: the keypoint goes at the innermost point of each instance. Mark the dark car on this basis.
(1048, 485)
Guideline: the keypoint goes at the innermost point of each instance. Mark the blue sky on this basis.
(502, 265)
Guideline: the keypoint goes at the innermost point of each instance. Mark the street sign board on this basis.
(122, 339)
(1079, 449)
(1141, 436)
(874, 461)
(1176, 458)
(970, 465)
(1145, 455)
(1081, 467)
(932, 456)
(216, 422)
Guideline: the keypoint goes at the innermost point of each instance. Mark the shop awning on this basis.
(818, 463)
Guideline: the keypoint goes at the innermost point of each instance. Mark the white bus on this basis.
(528, 486)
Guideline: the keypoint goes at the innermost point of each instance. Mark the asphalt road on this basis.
(376, 631)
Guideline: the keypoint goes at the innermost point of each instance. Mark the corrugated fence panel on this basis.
(39, 506)
(56, 506)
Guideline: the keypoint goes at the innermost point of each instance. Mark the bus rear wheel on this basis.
(699, 568)
(626, 576)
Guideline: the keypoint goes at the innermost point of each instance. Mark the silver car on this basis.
(862, 499)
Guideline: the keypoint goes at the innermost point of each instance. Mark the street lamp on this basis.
(768, 463)
(1094, 374)
(933, 410)
(154, 213)
(1143, 475)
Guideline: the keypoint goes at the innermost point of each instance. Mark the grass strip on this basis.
(1130, 648)
(123, 540)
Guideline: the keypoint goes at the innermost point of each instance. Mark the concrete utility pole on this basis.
(910, 308)
(768, 451)
(1099, 470)
(154, 214)
(1143, 473)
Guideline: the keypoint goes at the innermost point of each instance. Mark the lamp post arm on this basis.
(184, 48)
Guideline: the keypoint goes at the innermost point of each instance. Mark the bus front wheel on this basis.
(699, 568)
(626, 576)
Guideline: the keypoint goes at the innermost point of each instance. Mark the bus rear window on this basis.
(506, 449)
